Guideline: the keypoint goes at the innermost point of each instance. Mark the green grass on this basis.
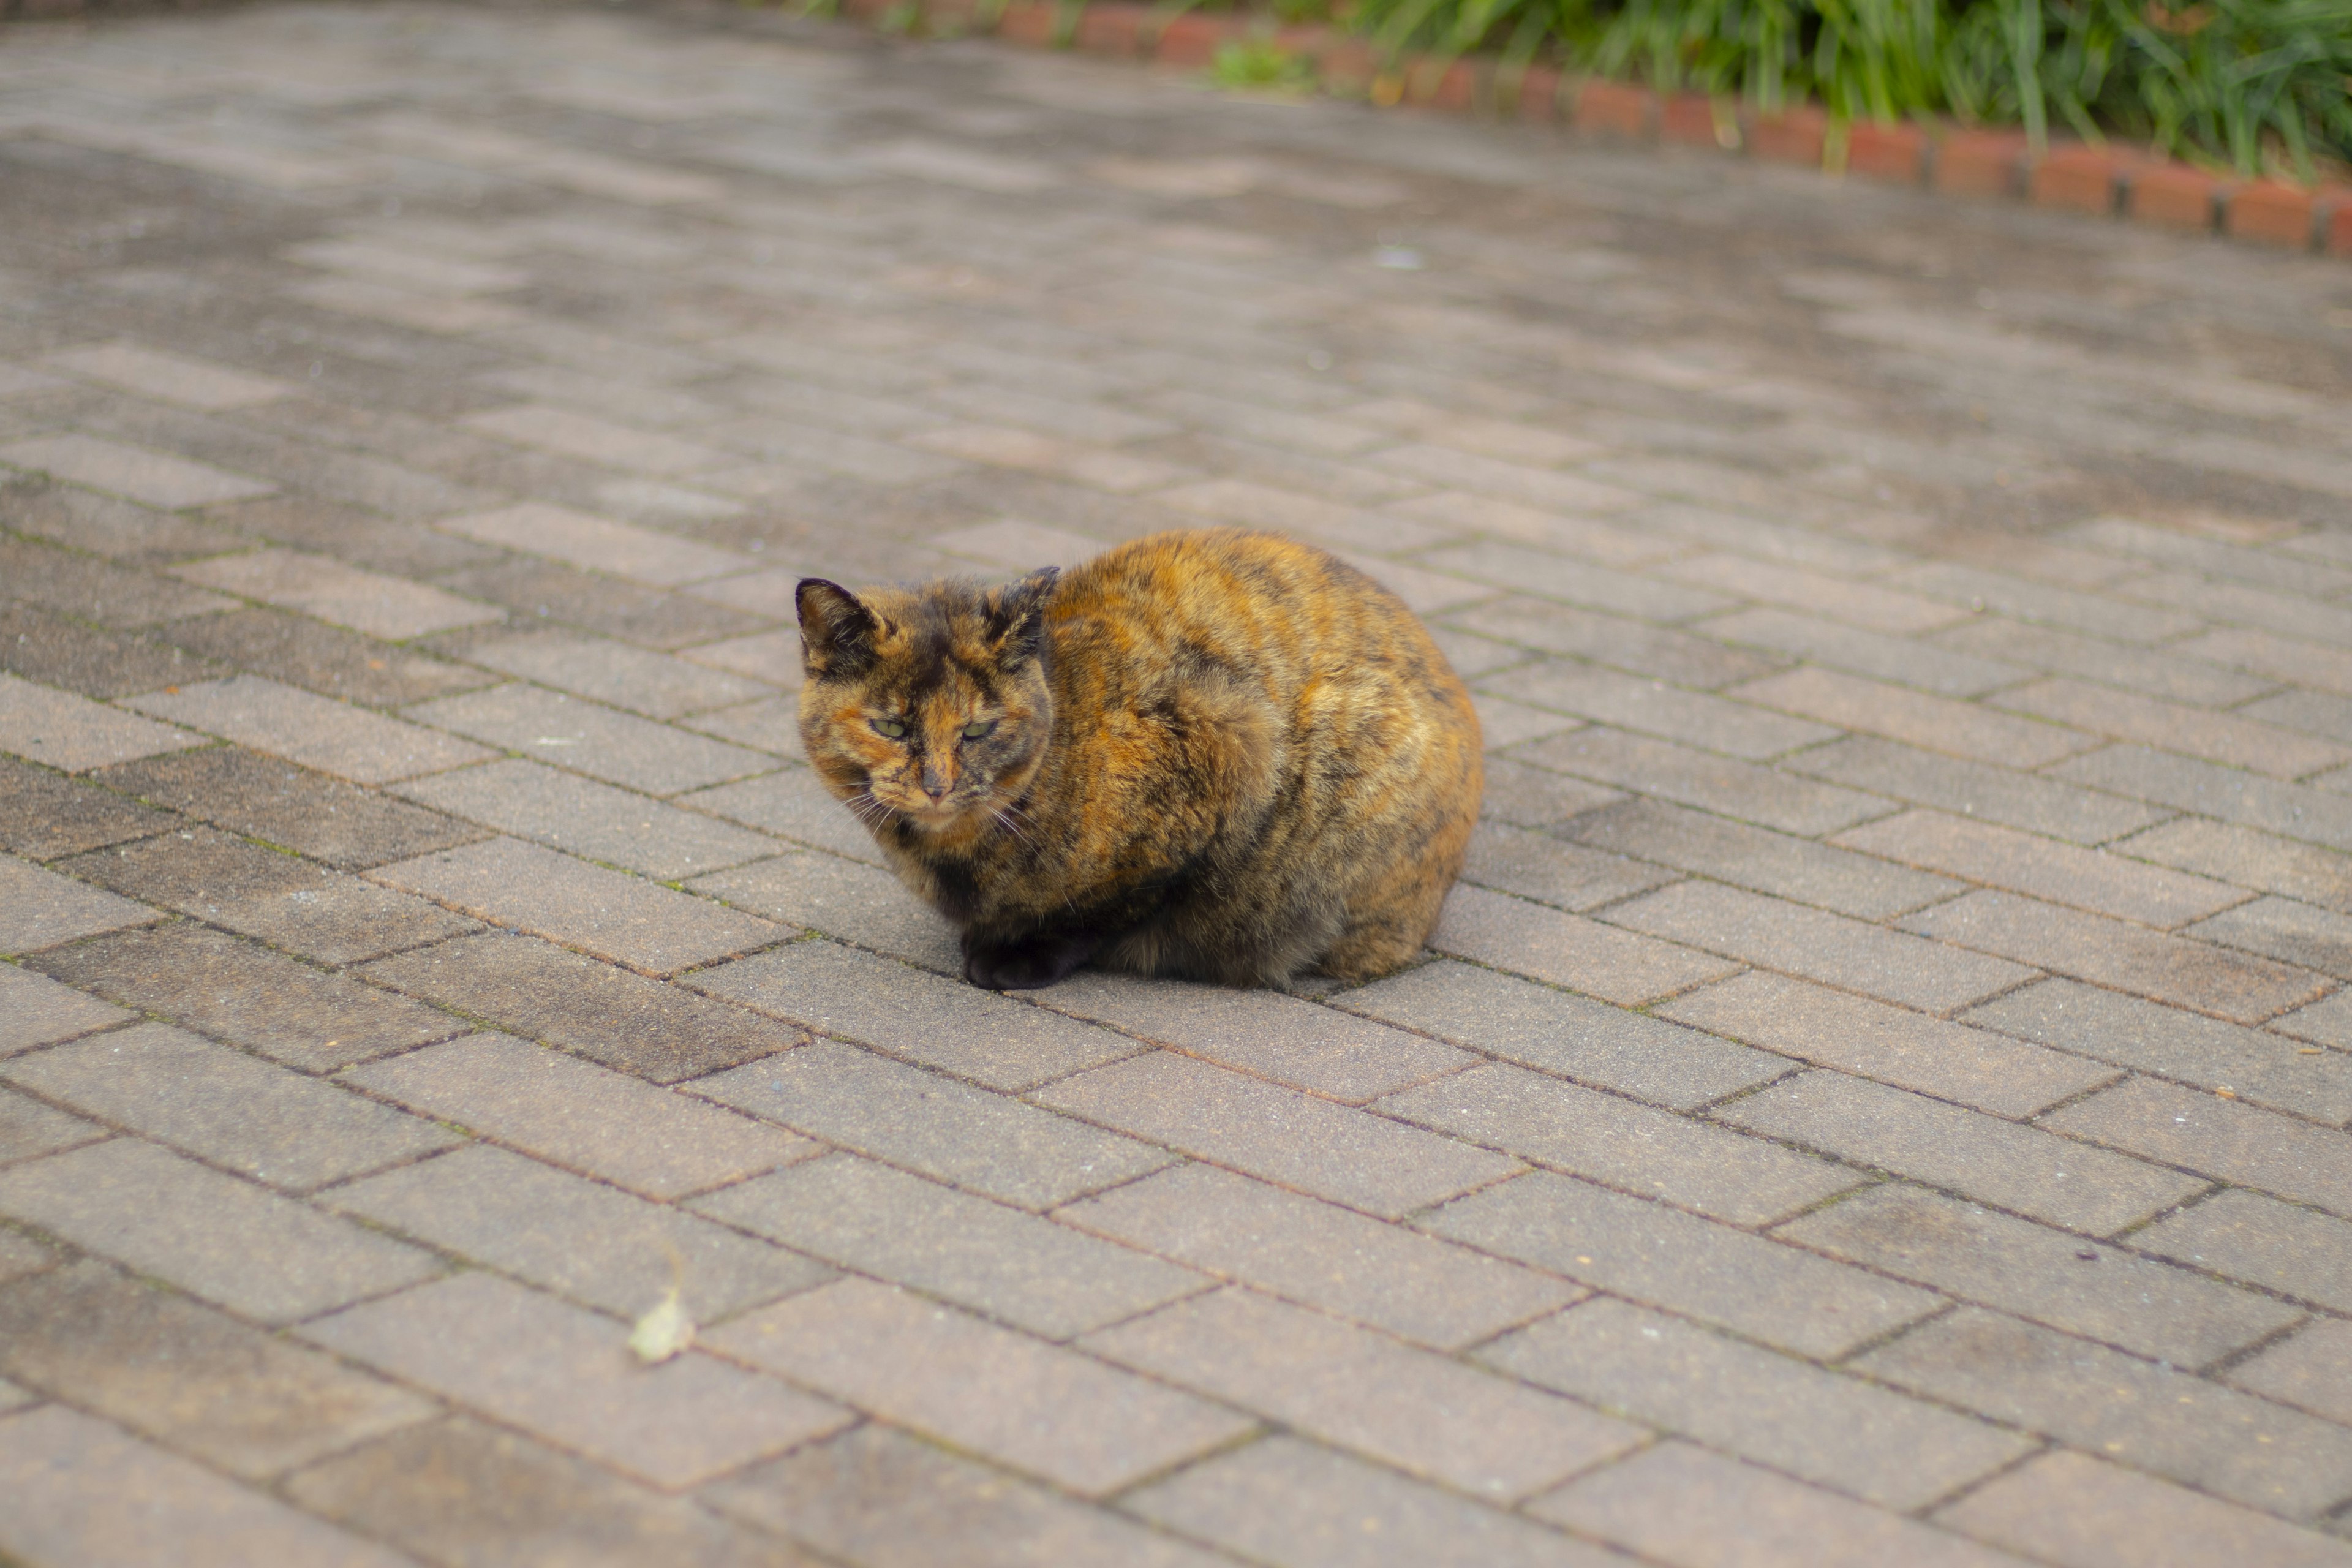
(1260, 65)
(2253, 85)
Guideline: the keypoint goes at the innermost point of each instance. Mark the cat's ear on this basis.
(836, 629)
(1016, 615)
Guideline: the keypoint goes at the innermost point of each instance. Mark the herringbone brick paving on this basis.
(1880, 1095)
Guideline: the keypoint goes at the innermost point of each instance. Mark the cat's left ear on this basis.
(1016, 613)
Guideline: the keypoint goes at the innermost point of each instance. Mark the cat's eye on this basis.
(893, 728)
(979, 729)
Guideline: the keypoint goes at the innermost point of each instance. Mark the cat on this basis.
(1210, 755)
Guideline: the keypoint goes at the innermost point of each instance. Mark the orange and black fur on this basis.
(1213, 754)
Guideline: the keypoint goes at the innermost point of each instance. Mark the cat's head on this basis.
(927, 705)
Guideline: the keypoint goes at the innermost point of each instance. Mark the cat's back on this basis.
(1267, 610)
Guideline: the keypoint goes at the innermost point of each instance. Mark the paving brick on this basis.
(584, 737)
(61, 731)
(1818, 945)
(188, 1376)
(1277, 1134)
(933, 1125)
(577, 1238)
(154, 477)
(1569, 1035)
(2140, 1413)
(1632, 1147)
(1250, 505)
(1529, 796)
(2316, 713)
(1552, 576)
(1759, 859)
(2070, 1509)
(103, 525)
(771, 656)
(1320, 1255)
(1832, 1029)
(773, 725)
(593, 821)
(1857, 603)
(1946, 671)
(657, 685)
(1742, 791)
(2127, 957)
(2240, 1143)
(2159, 672)
(299, 651)
(1566, 949)
(460, 1492)
(1291, 1041)
(937, 1023)
(2020, 600)
(45, 816)
(2292, 613)
(1980, 1156)
(540, 891)
(2175, 727)
(2285, 930)
(1612, 640)
(570, 434)
(308, 910)
(605, 1013)
(2280, 659)
(1566, 876)
(1358, 1389)
(2254, 1064)
(2062, 873)
(2296, 1251)
(40, 908)
(170, 377)
(316, 731)
(793, 802)
(1104, 467)
(370, 602)
(223, 1106)
(2127, 537)
(877, 1496)
(1040, 1409)
(1650, 1253)
(261, 797)
(1653, 707)
(653, 1142)
(37, 1011)
(87, 1492)
(2029, 801)
(30, 1129)
(1682, 1505)
(2327, 1021)
(228, 1241)
(1818, 1426)
(2054, 1279)
(2311, 1370)
(46, 649)
(1286, 1502)
(1937, 724)
(2289, 810)
(21, 1254)
(1012, 1265)
(563, 1373)
(845, 899)
(93, 590)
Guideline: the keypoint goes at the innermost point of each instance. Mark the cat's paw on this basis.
(1025, 964)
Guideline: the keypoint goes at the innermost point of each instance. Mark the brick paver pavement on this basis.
(1879, 1096)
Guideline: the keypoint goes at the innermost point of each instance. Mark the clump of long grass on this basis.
(2254, 85)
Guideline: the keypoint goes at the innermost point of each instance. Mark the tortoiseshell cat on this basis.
(1213, 754)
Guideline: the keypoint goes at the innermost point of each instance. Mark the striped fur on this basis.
(1214, 754)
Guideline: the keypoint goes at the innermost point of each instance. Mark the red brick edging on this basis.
(2108, 181)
